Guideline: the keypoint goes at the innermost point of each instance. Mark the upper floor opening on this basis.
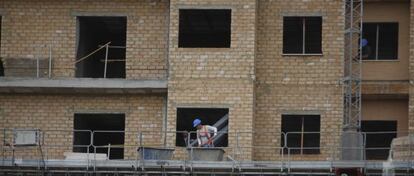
(101, 47)
(204, 28)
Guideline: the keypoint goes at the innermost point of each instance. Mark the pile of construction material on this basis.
(402, 148)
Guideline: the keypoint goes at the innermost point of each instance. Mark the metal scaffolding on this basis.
(351, 139)
(36, 152)
(352, 64)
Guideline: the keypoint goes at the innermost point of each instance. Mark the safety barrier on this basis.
(240, 146)
(42, 61)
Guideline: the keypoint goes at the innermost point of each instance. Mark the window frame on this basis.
(302, 133)
(303, 53)
(378, 24)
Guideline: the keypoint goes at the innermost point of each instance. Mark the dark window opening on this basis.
(382, 41)
(1, 62)
(204, 28)
(379, 135)
(94, 32)
(302, 133)
(1, 68)
(100, 122)
(217, 117)
(302, 35)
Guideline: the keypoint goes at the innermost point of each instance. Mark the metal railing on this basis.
(107, 46)
(41, 52)
(43, 60)
(37, 56)
(240, 146)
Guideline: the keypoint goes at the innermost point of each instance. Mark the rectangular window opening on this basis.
(100, 122)
(379, 135)
(302, 133)
(93, 32)
(302, 35)
(204, 28)
(217, 117)
(1, 61)
(382, 41)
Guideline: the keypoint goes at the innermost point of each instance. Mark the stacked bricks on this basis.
(24, 67)
(252, 78)
(298, 85)
(30, 27)
(411, 67)
(54, 115)
(216, 77)
(402, 148)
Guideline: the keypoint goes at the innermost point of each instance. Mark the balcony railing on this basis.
(40, 66)
(51, 146)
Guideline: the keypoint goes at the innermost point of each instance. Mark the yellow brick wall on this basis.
(252, 78)
(54, 115)
(411, 70)
(28, 25)
(298, 84)
(216, 78)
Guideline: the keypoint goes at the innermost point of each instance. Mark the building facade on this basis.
(273, 67)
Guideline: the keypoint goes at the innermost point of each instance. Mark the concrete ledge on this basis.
(395, 88)
(81, 85)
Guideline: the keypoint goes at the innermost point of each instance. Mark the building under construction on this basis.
(294, 87)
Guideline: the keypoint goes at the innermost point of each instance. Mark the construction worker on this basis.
(204, 132)
(366, 49)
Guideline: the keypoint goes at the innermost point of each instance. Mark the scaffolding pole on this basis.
(352, 63)
(352, 140)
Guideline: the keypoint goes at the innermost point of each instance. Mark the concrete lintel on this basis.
(302, 112)
(198, 105)
(99, 112)
(308, 14)
(103, 14)
(82, 85)
(207, 6)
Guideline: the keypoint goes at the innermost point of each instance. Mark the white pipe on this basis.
(37, 67)
(106, 60)
(50, 61)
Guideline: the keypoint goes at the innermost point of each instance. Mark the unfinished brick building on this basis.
(134, 72)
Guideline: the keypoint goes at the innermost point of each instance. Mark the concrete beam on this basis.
(81, 85)
(385, 87)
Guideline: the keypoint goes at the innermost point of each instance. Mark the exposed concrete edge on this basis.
(201, 105)
(206, 6)
(377, 87)
(81, 85)
(103, 14)
(302, 112)
(311, 14)
(385, 81)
